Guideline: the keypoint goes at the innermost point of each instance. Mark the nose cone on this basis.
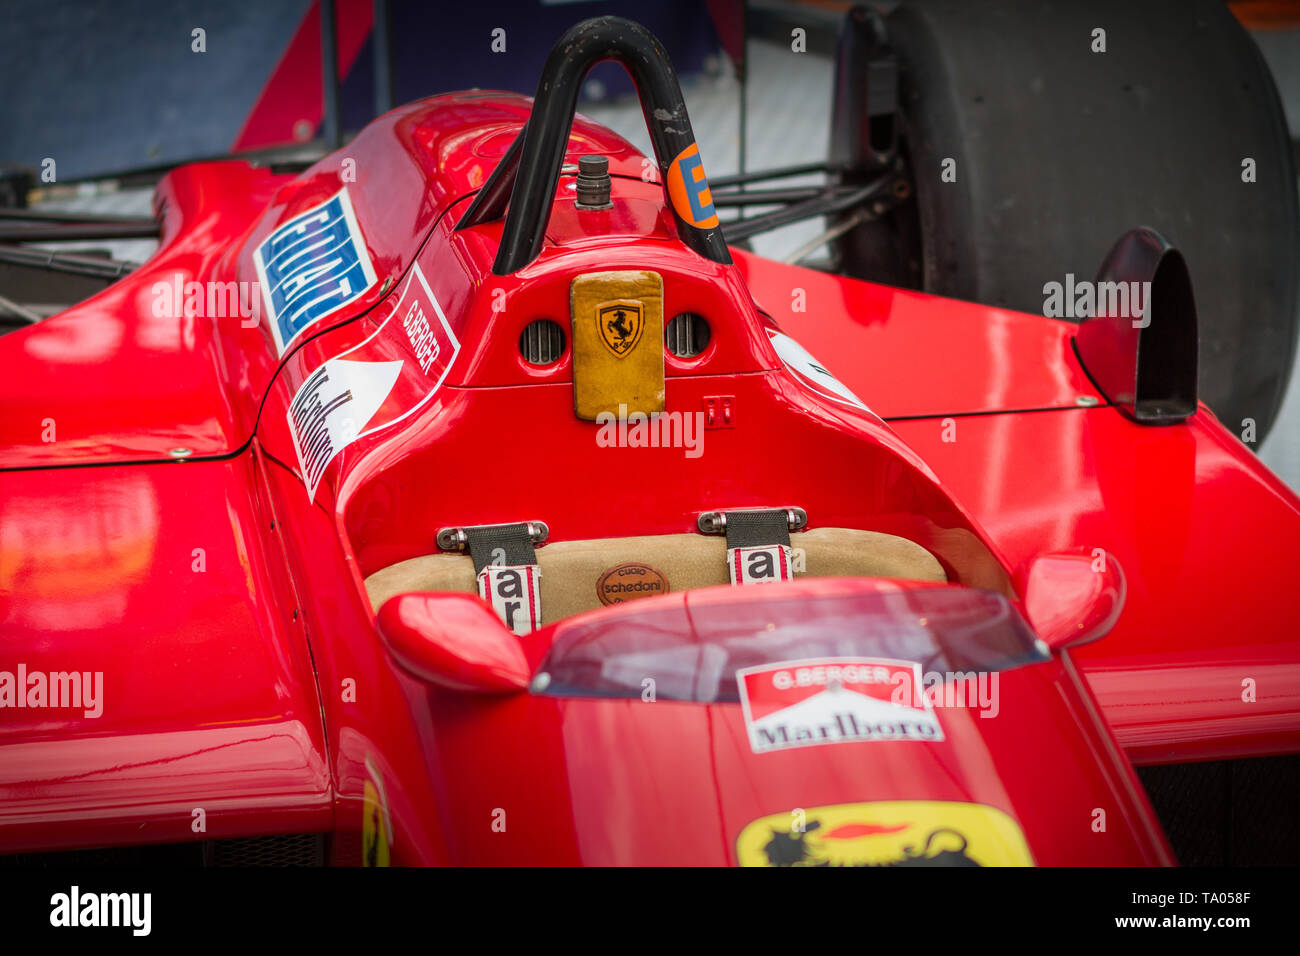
(823, 722)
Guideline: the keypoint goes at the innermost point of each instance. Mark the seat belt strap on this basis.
(758, 542)
(761, 564)
(515, 593)
(500, 544)
(505, 565)
(747, 529)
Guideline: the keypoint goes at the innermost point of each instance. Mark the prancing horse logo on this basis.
(620, 324)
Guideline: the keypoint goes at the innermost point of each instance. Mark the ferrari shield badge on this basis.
(620, 324)
(895, 833)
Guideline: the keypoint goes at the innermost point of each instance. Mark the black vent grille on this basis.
(293, 849)
(542, 342)
(289, 849)
(686, 335)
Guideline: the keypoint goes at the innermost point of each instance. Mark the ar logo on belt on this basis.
(620, 324)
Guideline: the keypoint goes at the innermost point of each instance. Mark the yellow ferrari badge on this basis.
(897, 833)
(618, 343)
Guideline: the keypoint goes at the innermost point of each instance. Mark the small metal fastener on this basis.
(1087, 400)
(540, 682)
(455, 539)
(451, 539)
(181, 452)
(712, 522)
(715, 522)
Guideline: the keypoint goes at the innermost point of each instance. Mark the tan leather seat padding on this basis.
(571, 569)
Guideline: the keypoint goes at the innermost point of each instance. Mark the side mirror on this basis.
(1068, 600)
(453, 641)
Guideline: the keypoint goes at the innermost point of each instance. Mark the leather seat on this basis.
(572, 570)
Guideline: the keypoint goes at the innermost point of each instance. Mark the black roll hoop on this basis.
(523, 184)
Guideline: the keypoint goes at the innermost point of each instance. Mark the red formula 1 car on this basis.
(467, 499)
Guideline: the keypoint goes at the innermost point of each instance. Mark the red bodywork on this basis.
(243, 670)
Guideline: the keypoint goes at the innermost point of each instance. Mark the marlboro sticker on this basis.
(377, 383)
(838, 700)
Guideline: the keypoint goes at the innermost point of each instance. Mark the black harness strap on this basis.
(501, 544)
(749, 529)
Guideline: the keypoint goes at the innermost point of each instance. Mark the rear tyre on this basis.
(1059, 148)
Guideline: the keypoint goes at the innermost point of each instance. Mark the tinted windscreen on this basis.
(692, 651)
